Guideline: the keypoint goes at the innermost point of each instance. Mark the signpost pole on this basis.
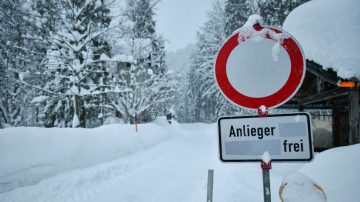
(265, 166)
(210, 185)
(266, 180)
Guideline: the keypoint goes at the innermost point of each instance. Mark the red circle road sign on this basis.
(282, 91)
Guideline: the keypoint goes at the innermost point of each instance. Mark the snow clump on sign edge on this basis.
(248, 31)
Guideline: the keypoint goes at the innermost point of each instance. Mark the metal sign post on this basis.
(265, 166)
(266, 180)
(260, 86)
(210, 185)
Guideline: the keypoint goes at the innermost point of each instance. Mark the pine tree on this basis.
(76, 67)
(20, 52)
(207, 101)
(236, 14)
(149, 86)
(274, 12)
(141, 13)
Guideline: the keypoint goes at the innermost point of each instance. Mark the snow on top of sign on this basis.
(253, 20)
(266, 157)
(263, 108)
(300, 188)
(249, 32)
(328, 32)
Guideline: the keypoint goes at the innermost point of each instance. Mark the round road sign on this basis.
(258, 66)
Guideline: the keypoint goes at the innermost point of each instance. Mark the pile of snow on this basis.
(328, 32)
(337, 171)
(266, 157)
(29, 154)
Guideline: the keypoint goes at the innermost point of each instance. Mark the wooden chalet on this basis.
(323, 90)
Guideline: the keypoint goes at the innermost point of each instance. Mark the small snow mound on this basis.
(266, 157)
(258, 33)
(263, 109)
(297, 187)
(161, 120)
(253, 20)
(248, 30)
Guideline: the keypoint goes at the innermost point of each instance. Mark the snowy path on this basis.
(161, 163)
(176, 168)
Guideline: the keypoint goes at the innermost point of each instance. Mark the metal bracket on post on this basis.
(266, 180)
(263, 111)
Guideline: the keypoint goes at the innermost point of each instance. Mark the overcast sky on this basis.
(179, 20)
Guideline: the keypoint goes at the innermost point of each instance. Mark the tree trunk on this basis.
(78, 110)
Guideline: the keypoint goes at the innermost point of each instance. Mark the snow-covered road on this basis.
(173, 168)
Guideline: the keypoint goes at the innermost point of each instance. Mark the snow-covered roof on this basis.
(135, 48)
(329, 33)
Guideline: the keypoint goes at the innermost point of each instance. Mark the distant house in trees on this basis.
(135, 50)
(329, 36)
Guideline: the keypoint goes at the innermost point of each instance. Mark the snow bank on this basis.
(328, 32)
(337, 171)
(29, 154)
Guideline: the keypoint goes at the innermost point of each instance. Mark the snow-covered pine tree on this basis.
(208, 102)
(236, 14)
(20, 53)
(274, 12)
(149, 85)
(76, 69)
(141, 13)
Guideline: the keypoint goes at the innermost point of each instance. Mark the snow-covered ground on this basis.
(160, 162)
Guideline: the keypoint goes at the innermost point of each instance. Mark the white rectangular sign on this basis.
(287, 137)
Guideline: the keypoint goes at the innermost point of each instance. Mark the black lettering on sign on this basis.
(293, 146)
(247, 131)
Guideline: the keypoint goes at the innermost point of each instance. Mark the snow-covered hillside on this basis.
(160, 162)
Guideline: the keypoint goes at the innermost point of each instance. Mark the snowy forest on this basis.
(85, 63)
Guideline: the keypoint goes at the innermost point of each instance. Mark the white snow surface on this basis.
(160, 162)
(252, 20)
(328, 32)
(266, 157)
(40, 98)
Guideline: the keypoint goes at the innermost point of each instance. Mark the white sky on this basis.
(179, 20)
